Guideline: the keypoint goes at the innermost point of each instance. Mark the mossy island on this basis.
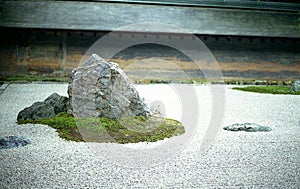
(103, 106)
(286, 90)
(126, 130)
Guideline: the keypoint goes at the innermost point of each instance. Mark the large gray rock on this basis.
(248, 127)
(48, 108)
(295, 86)
(102, 89)
(13, 141)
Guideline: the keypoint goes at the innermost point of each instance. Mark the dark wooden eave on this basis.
(110, 16)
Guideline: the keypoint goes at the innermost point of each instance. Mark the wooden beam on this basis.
(100, 16)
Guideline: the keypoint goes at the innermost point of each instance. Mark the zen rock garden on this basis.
(101, 90)
(101, 95)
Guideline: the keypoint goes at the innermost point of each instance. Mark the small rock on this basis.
(48, 108)
(295, 86)
(13, 141)
(248, 127)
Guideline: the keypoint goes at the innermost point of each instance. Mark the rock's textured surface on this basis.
(295, 86)
(102, 89)
(48, 108)
(248, 127)
(13, 141)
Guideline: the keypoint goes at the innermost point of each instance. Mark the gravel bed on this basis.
(235, 159)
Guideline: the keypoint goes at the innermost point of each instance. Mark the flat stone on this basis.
(13, 141)
(248, 127)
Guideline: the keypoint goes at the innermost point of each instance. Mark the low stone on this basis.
(295, 86)
(248, 127)
(48, 108)
(102, 89)
(13, 141)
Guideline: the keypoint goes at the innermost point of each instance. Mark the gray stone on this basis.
(57, 102)
(248, 127)
(295, 86)
(102, 89)
(13, 141)
(48, 108)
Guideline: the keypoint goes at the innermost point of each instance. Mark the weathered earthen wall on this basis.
(57, 52)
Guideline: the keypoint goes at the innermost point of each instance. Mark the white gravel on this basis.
(235, 160)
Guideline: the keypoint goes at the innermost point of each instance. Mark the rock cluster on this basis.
(48, 108)
(102, 89)
(248, 127)
(13, 141)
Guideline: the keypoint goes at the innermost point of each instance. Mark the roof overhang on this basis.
(131, 17)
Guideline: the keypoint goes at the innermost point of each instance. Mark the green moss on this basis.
(125, 130)
(268, 89)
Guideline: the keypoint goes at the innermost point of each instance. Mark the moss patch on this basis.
(126, 130)
(268, 89)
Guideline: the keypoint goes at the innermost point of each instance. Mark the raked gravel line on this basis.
(237, 159)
